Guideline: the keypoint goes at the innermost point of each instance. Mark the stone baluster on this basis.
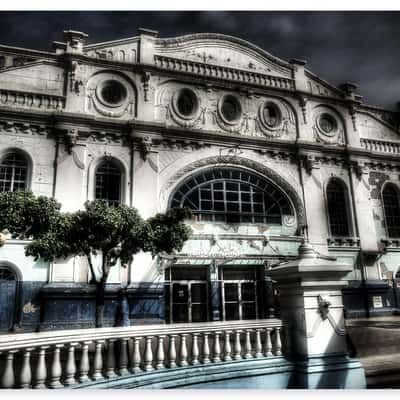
(268, 343)
(123, 357)
(110, 362)
(136, 358)
(8, 377)
(55, 370)
(148, 354)
(258, 345)
(26, 372)
(70, 367)
(216, 348)
(84, 363)
(41, 370)
(227, 347)
(195, 349)
(183, 354)
(237, 346)
(206, 349)
(160, 353)
(247, 345)
(172, 352)
(98, 361)
(278, 345)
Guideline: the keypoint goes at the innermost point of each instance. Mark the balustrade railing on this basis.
(37, 101)
(59, 359)
(216, 71)
(381, 146)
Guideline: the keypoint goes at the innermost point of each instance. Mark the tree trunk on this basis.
(100, 294)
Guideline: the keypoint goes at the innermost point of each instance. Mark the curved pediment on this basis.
(223, 50)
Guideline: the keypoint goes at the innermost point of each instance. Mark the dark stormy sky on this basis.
(362, 47)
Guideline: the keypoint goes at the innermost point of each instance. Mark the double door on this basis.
(189, 301)
(239, 299)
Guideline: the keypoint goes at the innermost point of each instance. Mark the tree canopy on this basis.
(100, 231)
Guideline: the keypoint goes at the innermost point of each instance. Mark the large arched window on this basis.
(392, 210)
(232, 196)
(108, 182)
(13, 172)
(339, 221)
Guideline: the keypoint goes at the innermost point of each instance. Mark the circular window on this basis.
(271, 115)
(112, 92)
(186, 103)
(231, 109)
(327, 124)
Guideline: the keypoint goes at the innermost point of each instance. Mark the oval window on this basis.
(113, 92)
(231, 109)
(327, 124)
(271, 115)
(187, 103)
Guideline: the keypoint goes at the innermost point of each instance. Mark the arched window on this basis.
(392, 210)
(108, 182)
(232, 196)
(336, 194)
(13, 173)
(6, 274)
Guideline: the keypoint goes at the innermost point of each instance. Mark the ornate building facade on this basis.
(263, 151)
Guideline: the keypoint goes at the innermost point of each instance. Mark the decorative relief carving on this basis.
(145, 82)
(328, 127)
(24, 128)
(111, 95)
(75, 77)
(360, 168)
(256, 116)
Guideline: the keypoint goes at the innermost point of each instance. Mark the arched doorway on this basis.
(8, 297)
(215, 286)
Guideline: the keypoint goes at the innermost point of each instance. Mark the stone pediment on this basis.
(39, 76)
(223, 50)
(320, 87)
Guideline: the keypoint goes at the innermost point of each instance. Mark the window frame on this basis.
(121, 169)
(28, 167)
(183, 190)
(347, 208)
(396, 190)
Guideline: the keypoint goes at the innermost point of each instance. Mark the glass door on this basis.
(239, 294)
(189, 301)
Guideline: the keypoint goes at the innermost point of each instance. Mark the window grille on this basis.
(13, 173)
(232, 196)
(392, 210)
(108, 183)
(337, 208)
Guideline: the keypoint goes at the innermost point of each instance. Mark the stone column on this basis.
(312, 314)
(215, 294)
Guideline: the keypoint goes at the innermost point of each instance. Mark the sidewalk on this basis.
(375, 342)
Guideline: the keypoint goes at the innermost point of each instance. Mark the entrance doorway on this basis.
(239, 293)
(189, 301)
(8, 294)
(189, 297)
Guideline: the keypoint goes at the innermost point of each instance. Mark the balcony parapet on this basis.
(343, 241)
(380, 146)
(78, 356)
(392, 243)
(35, 101)
(226, 73)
